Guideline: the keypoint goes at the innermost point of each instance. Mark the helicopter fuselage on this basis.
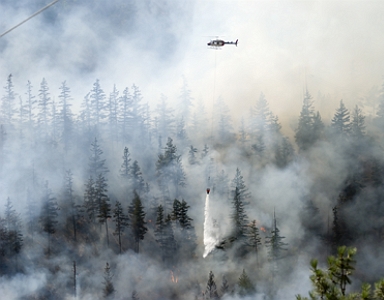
(220, 43)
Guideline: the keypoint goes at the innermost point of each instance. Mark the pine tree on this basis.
(96, 163)
(259, 146)
(30, 106)
(184, 231)
(275, 246)
(211, 289)
(181, 133)
(121, 222)
(318, 127)
(113, 110)
(224, 286)
(357, 124)
(126, 166)
(170, 170)
(238, 183)
(245, 285)
(22, 117)
(13, 235)
(176, 210)
(66, 116)
(97, 103)
(69, 198)
(137, 124)
(10, 215)
(55, 123)
(205, 151)
(239, 217)
(253, 238)
(284, 153)
(90, 200)
(137, 220)
(8, 102)
(341, 120)
(85, 116)
(192, 155)
(336, 236)
(164, 235)
(242, 133)
(125, 113)
(102, 202)
(259, 117)
(331, 283)
(138, 183)
(31, 213)
(44, 104)
(48, 215)
(109, 289)
(304, 133)
(341, 266)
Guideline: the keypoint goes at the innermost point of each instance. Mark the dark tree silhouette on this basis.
(125, 169)
(341, 120)
(121, 222)
(245, 285)
(102, 202)
(137, 221)
(304, 132)
(48, 215)
(211, 289)
(109, 289)
(239, 217)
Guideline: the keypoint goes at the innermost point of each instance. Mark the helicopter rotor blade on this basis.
(35, 14)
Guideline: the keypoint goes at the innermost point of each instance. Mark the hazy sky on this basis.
(334, 47)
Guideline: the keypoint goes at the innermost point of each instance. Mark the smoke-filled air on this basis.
(165, 149)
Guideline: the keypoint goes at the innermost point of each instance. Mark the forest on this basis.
(107, 201)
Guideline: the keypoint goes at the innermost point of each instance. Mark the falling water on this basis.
(210, 234)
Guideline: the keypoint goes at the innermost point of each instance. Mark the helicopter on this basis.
(220, 43)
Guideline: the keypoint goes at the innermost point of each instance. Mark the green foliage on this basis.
(90, 200)
(169, 168)
(379, 290)
(239, 217)
(341, 267)
(121, 221)
(245, 285)
(137, 220)
(275, 244)
(331, 283)
(253, 236)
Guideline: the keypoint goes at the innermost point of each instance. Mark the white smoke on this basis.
(211, 233)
